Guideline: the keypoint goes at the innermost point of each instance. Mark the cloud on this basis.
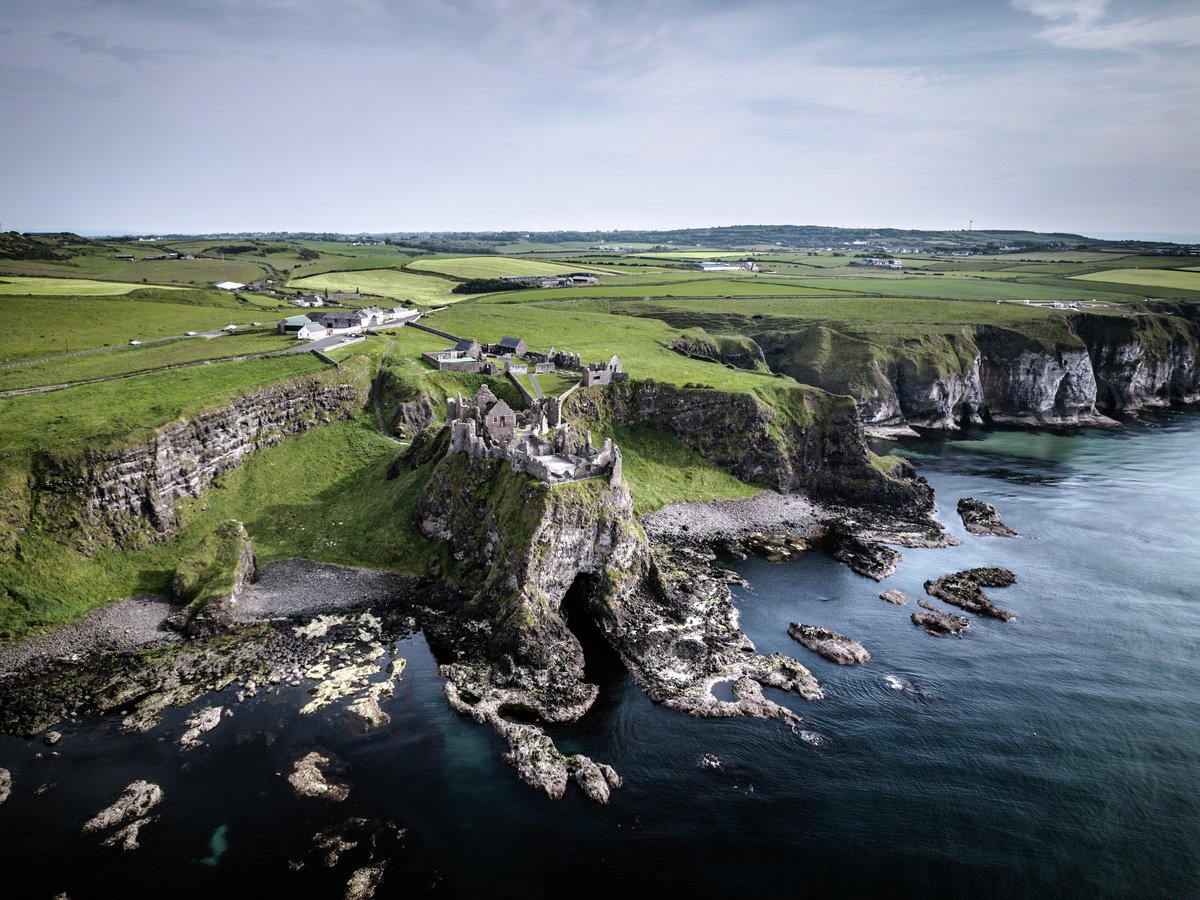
(86, 43)
(1085, 25)
(1081, 11)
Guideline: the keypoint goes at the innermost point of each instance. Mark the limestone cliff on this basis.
(785, 438)
(1080, 369)
(125, 497)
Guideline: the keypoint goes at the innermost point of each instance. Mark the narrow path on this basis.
(375, 394)
(537, 388)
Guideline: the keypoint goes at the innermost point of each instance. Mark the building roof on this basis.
(510, 343)
(229, 285)
(466, 345)
(297, 321)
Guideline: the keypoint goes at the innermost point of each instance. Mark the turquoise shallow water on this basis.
(1056, 755)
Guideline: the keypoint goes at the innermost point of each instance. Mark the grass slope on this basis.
(62, 287)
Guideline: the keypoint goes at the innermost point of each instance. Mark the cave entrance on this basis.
(601, 663)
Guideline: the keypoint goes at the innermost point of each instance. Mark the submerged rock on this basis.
(199, 723)
(830, 644)
(868, 558)
(50, 738)
(309, 779)
(127, 838)
(364, 882)
(895, 595)
(982, 518)
(936, 622)
(962, 589)
(5, 784)
(135, 801)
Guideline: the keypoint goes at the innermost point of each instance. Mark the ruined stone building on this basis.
(603, 373)
(485, 427)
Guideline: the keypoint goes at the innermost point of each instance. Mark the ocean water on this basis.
(1057, 755)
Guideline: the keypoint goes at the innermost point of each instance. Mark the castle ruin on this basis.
(537, 441)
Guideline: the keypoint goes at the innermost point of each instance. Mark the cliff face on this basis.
(795, 439)
(126, 497)
(1085, 369)
(532, 566)
(518, 546)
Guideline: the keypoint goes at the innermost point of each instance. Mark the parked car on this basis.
(229, 328)
(134, 343)
(191, 334)
(256, 324)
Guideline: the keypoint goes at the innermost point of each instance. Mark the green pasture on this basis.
(184, 272)
(123, 359)
(705, 286)
(1175, 279)
(494, 267)
(63, 287)
(50, 326)
(424, 290)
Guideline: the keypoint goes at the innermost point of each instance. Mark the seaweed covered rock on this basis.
(963, 589)
(982, 518)
(830, 644)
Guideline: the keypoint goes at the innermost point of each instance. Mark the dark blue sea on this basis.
(1057, 755)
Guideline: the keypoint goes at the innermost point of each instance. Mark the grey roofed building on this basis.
(468, 348)
(512, 345)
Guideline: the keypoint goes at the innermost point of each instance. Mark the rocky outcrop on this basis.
(982, 518)
(830, 644)
(938, 623)
(963, 589)
(5, 785)
(126, 497)
(211, 579)
(867, 558)
(309, 777)
(199, 723)
(413, 415)
(134, 803)
(731, 350)
(895, 596)
(523, 559)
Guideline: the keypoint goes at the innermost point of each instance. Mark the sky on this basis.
(428, 115)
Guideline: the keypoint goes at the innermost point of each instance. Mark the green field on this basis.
(64, 287)
(495, 267)
(124, 359)
(49, 326)
(424, 290)
(116, 412)
(1176, 279)
(705, 286)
